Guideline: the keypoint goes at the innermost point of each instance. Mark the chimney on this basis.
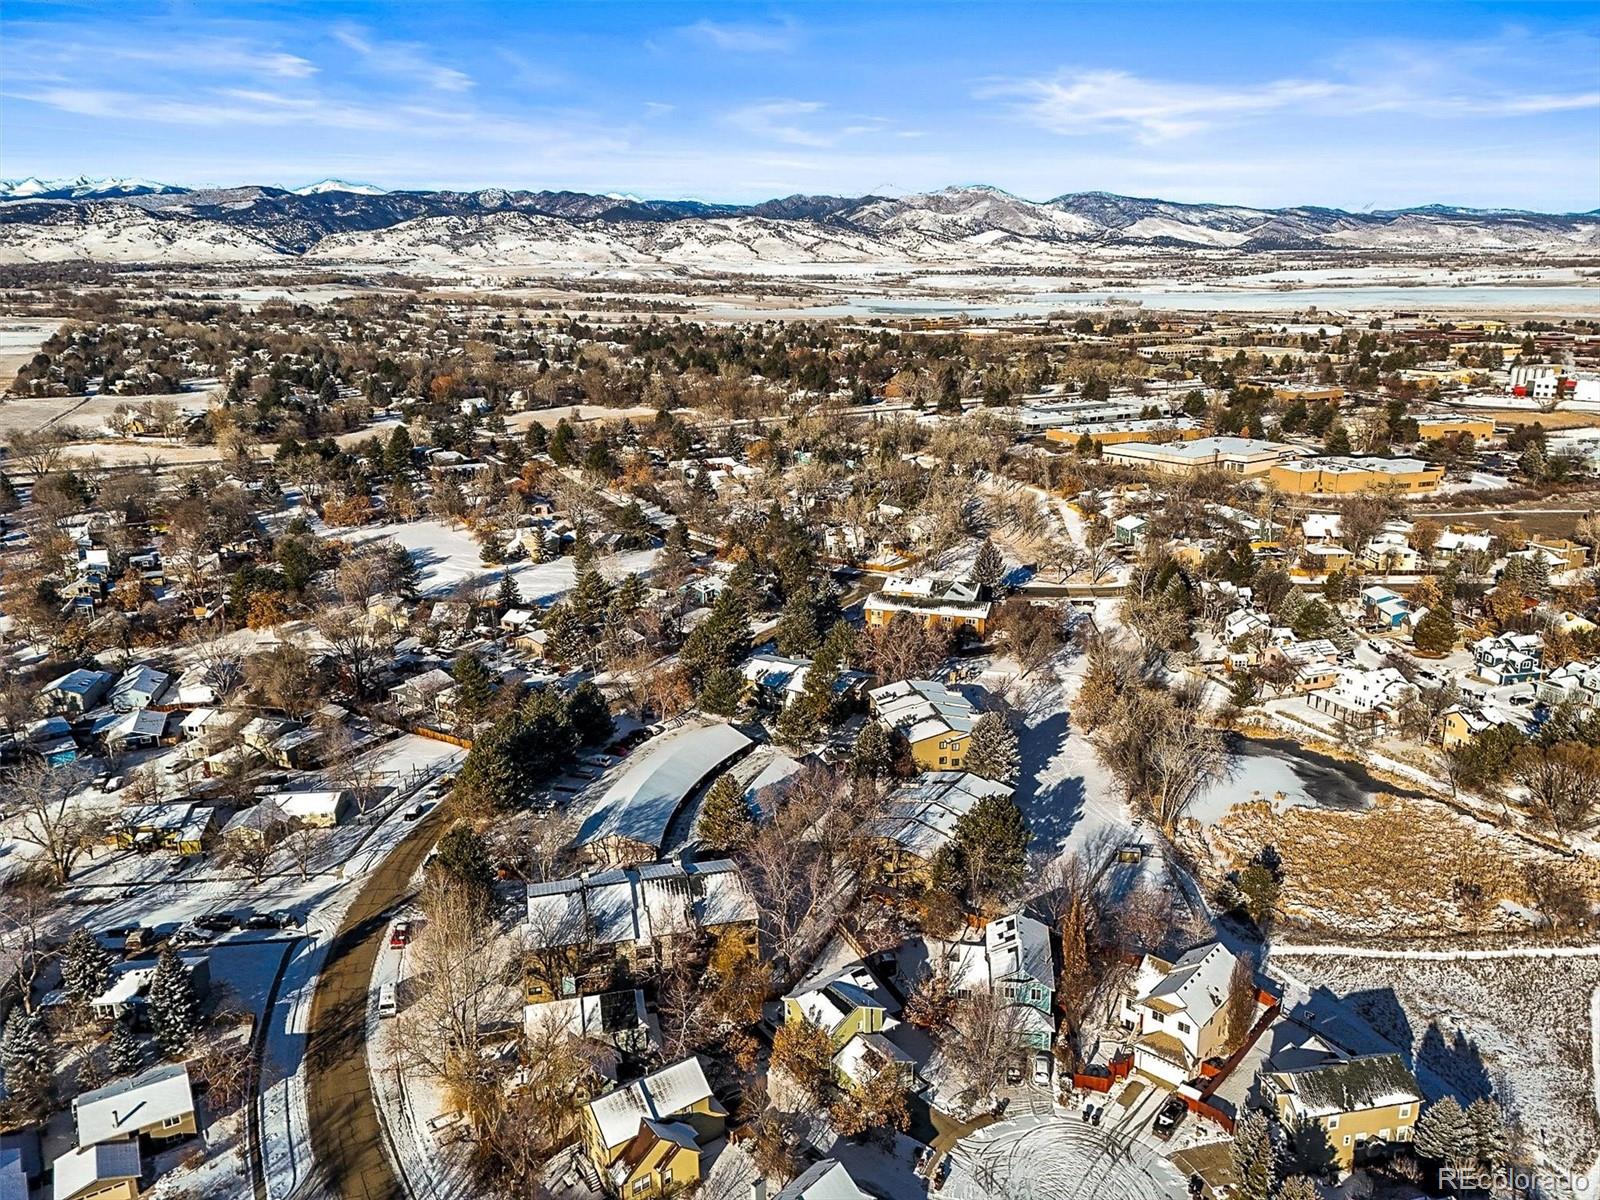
(758, 1190)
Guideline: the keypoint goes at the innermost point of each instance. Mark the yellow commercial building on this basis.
(1180, 429)
(1480, 428)
(1338, 476)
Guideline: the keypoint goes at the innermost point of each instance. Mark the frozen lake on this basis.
(1264, 769)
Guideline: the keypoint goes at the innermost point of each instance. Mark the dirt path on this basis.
(346, 1139)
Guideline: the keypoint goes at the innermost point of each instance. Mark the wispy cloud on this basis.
(1154, 110)
(404, 59)
(742, 38)
(781, 121)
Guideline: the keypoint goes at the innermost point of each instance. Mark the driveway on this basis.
(1055, 1158)
(346, 1139)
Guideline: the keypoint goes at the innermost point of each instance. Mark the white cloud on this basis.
(776, 120)
(746, 38)
(403, 59)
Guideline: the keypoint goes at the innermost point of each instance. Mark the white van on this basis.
(388, 1005)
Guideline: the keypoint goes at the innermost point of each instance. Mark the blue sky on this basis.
(1354, 105)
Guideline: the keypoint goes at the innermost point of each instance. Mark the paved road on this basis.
(346, 1139)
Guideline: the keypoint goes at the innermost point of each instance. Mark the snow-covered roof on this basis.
(922, 708)
(1360, 1084)
(639, 805)
(80, 682)
(136, 723)
(1019, 946)
(1196, 984)
(825, 1180)
(121, 1109)
(87, 1169)
(637, 905)
(922, 814)
(138, 687)
(657, 1096)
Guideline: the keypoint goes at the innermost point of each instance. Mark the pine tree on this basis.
(1299, 1187)
(492, 779)
(126, 1054)
(989, 567)
(397, 453)
(589, 714)
(174, 1007)
(509, 596)
(474, 687)
(991, 845)
(992, 749)
(726, 822)
(1255, 1157)
(721, 691)
(873, 754)
(86, 968)
(26, 1061)
(591, 596)
(1491, 1143)
(1436, 632)
(1444, 1134)
(798, 632)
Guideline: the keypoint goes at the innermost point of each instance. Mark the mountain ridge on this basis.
(116, 220)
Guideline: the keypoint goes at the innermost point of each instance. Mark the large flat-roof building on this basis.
(1249, 457)
(1339, 476)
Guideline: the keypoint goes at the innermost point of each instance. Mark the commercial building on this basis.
(1249, 457)
(1339, 476)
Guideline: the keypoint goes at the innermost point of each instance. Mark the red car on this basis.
(400, 935)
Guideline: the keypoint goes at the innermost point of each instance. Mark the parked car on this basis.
(1170, 1117)
(414, 812)
(400, 935)
(218, 922)
(924, 1160)
(261, 921)
(1041, 1070)
(285, 919)
(1014, 1073)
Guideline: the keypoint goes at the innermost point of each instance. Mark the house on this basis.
(1311, 665)
(1509, 658)
(768, 678)
(1453, 543)
(921, 816)
(1461, 725)
(138, 687)
(629, 823)
(851, 1006)
(1363, 1103)
(826, 1179)
(1384, 607)
(104, 1171)
(1244, 623)
(644, 1139)
(1015, 962)
(420, 694)
(205, 684)
(1129, 530)
(1575, 683)
(319, 809)
(137, 728)
(1561, 553)
(616, 1019)
(182, 826)
(77, 691)
(1361, 699)
(941, 603)
(157, 1104)
(131, 981)
(935, 721)
(1178, 1011)
(577, 930)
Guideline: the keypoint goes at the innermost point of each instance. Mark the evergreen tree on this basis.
(1436, 632)
(464, 855)
(86, 967)
(627, 598)
(1255, 1157)
(589, 714)
(989, 567)
(992, 749)
(1337, 441)
(1491, 1144)
(546, 741)
(563, 444)
(492, 779)
(397, 452)
(873, 755)
(26, 1061)
(1299, 1187)
(1444, 1134)
(402, 569)
(474, 687)
(569, 640)
(126, 1053)
(721, 691)
(991, 846)
(591, 597)
(722, 639)
(509, 596)
(174, 1007)
(799, 633)
(726, 822)
(9, 501)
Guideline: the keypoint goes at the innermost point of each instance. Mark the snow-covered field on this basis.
(1519, 1029)
(447, 558)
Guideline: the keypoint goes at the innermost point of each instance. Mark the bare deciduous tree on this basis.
(48, 817)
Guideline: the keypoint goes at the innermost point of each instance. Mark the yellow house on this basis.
(1571, 555)
(157, 1104)
(936, 722)
(645, 1138)
(1359, 1104)
(108, 1171)
(1481, 428)
(854, 1009)
(1338, 476)
(940, 603)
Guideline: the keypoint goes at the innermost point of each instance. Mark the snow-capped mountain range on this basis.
(135, 220)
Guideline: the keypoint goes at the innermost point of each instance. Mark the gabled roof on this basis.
(658, 1096)
(922, 708)
(88, 1168)
(1367, 1082)
(640, 805)
(637, 904)
(1197, 984)
(121, 1109)
(825, 1180)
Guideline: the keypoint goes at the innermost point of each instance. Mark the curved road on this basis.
(346, 1139)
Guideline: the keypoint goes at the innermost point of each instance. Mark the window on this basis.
(1347, 1139)
(173, 1122)
(943, 760)
(1333, 1122)
(1183, 1027)
(1405, 1111)
(640, 1185)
